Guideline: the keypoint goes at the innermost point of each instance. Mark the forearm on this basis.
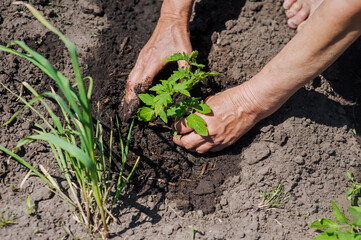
(327, 34)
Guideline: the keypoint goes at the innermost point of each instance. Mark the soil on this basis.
(308, 145)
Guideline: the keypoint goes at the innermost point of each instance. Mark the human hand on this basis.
(234, 112)
(170, 36)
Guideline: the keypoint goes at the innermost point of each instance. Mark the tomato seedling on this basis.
(181, 81)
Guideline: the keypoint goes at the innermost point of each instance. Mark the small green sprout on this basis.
(342, 228)
(194, 230)
(273, 198)
(5, 219)
(354, 193)
(180, 82)
(29, 207)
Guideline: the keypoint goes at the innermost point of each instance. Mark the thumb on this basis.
(181, 127)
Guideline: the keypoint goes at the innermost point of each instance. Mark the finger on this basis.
(190, 141)
(181, 127)
(288, 3)
(203, 148)
(300, 16)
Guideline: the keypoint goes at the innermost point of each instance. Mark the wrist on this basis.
(180, 10)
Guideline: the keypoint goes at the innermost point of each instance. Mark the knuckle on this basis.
(187, 144)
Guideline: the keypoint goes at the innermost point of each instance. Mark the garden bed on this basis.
(308, 145)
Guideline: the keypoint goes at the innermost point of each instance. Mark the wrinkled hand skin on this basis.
(170, 36)
(234, 112)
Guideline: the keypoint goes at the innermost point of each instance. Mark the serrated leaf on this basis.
(356, 213)
(340, 216)
(177, 57)
(163, 116)
(326, 236)
(324, 223)
(198, 124)
(182, 88)
(197, 65)
(202, 108)
(176, 111)
(158, 88)
(147, 99)
(145, 114)
(177, 75)
(161, 101)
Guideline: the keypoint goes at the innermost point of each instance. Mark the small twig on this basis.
(176, 212)
(25, 178)
(278, 222)
(111, 215)
(188, 180)
(203, 170)
(158, 125)
(122, 46)
(163, 181)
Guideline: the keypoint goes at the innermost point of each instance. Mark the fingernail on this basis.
(293, 25)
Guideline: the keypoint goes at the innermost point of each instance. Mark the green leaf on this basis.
(349, 193)
(176, 111)
(198, 124)
(324, 223)
(193, 55)
(161, 101)
(182, 88)
(358, 236)
(163, 116)
(158, 88)
(147, 99)
(338, 213)
(202, 108)
(145, 114)
(214, 74)
(197, 65)
(177, 57)
(356, 213)
(346, 235)
(177, 75)
(350, 175)
(326, 236)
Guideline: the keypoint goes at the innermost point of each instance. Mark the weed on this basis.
(181, 81)
(194, 231)
(73, 140)
(343, 229)
(29, 207)
(273, 198)
(5, 219)
(354, 193)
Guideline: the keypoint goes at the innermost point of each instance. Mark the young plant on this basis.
(343, 229)
(72, 138)
(5, 219)
(194, 230)
(29, 207)
(273, 198)
(354, 193)
(181, 81)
